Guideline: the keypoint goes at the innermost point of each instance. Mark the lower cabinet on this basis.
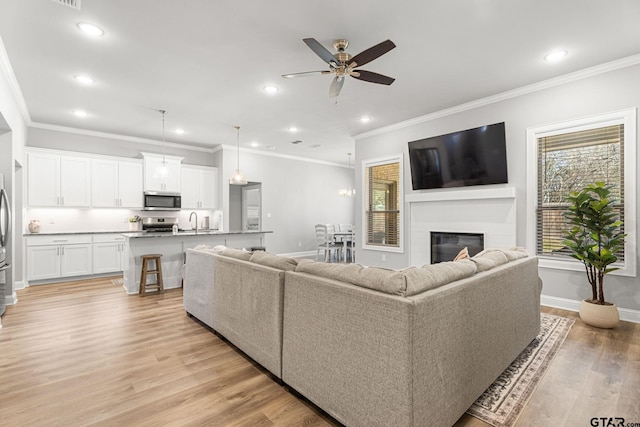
(50, 257)
(108, 253)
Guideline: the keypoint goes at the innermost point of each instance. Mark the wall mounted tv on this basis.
(469, 157)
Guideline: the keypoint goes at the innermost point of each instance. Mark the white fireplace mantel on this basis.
(462, 194)
(490, 211)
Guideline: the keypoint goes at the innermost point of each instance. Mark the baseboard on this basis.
(626, 314)
(11, 299)
(20, 285)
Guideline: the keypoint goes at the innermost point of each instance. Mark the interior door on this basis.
(251, 207)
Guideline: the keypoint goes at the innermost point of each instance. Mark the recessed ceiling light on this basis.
(270, 89)
(365, 119)
(255, 144)
(293, 129)
(179, 131)
(90, 29)
(79, 113)
(85, 80)
(555, 56)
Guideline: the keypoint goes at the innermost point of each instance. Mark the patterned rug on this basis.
(501, 404)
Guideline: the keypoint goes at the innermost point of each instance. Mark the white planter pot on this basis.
(600, 316)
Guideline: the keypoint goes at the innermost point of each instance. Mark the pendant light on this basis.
(162, 170)
(238, 177)
(350, 192)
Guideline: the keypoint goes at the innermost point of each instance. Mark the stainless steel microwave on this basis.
(158, 201)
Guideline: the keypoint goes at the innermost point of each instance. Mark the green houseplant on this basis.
(594, 237)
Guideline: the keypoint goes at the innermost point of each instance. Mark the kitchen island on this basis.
(173, 248)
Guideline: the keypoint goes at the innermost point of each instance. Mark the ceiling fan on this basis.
(342, 63)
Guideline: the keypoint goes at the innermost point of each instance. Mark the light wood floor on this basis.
(85, 353)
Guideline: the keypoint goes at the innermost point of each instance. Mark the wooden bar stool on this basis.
(145, 271)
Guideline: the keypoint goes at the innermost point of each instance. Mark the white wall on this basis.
(296, 195)
(13, 125)
(589, 95)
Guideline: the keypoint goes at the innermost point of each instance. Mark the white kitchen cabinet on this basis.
(116, 183)
(58, 180)
(199, 187)
(108, 253)
(162, 173)
(50, 257)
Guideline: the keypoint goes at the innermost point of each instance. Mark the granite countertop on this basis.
(59, 233)
(190, 233)
(136, 234)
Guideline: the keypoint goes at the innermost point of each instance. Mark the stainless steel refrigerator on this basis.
(5, 231)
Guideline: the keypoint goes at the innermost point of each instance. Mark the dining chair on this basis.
(324, 241)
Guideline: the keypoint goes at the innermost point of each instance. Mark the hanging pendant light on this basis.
(351, 192)
(162, 170)
(238, 177)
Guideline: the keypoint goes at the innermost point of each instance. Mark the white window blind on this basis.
(382, 214)
(568, 162)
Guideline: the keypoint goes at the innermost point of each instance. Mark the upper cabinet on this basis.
(199, 187)
(116, 183)
(58, 180)
(162, 173)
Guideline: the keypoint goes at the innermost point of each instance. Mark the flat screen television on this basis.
(469, 157)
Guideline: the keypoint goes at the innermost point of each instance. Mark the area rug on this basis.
(501, 404)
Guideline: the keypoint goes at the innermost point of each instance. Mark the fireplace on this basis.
(445, 246)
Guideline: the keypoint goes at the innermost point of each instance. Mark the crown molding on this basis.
(282, 156)
(119, 137)
(7, 71)
(514, 93)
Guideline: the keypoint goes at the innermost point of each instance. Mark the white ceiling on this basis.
(205, 62)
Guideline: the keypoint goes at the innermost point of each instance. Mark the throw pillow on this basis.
(464, 253)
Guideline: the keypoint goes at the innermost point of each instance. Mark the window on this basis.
(570, 156)
(383, 201)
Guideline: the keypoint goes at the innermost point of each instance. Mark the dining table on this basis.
(344, 237)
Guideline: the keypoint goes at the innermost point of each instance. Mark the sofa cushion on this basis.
(275, 261)
(380, 279)
(488, 259)
(516, 253)
(237, 253)
(434, 275)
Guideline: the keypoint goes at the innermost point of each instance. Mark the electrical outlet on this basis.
(384, 257)
(125, 220)
(51, 221)
(299, 244)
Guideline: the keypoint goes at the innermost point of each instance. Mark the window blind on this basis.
(568, 162)
(383, 201)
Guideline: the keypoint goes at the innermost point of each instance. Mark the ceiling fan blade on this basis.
(321, 51)
(336, 87)
(372, 53)
(369, 76)
(305, 74)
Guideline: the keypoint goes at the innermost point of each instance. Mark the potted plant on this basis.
(134, 223)
(594, 239)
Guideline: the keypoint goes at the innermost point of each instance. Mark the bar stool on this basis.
(145, 271)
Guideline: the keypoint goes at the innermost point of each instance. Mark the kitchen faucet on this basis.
(192, 214)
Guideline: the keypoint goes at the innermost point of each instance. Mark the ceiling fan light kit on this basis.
(343, 64)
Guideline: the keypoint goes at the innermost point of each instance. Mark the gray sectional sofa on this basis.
(375, 347)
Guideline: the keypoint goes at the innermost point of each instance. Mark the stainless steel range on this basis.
(160, 224)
